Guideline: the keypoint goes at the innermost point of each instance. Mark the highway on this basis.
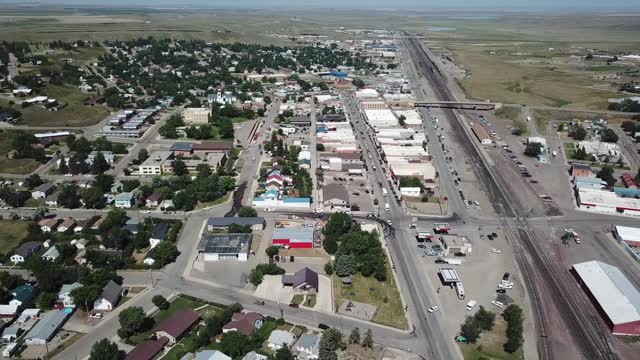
(418, 293)
(543, 277)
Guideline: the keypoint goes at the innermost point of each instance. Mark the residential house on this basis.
(51, 254)
(43, 191)
(158, 234)
(65, 300)
(309, 345)
(153, 200)
(254, 356)
(82, 225)
(81, 257)
(97, 223)
(109, 297)
(245, 323)
(29, 314)
(131, 226)
(108, 156)
(176, 326)
(48, 225)
(147, 350)
(45, 329)
(68, 223)
(81, 244)
(123, 200)
(206, 355)
(23, 295)
(25, 250)
(52, 200)
(304, 279)
(8, 311)
(280, 338)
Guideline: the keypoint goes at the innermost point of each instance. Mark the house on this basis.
(158, 234)
(166, 204)
(48, 225)
(147, 350)
(51, 200)
(149, 260)
(11, 334)
(25, 250)
(51, 254)
(254, 356)
(279, 338)
(45, 329)
(245, 323)
(23, 295)
(65, 300)
(97, 223)
(8, 311)
(81, 257)
(29, 314)
(153, 200)
(43, 191)
(81, 244)
(309, 344)
(109, 297)
(175, 327)
(123, 200)
(108, 156)
(82, 225)
(131, 226)
(335, 196)
(206, 355)
(68, 223)
(304, 279)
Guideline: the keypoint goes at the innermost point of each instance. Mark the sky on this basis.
(495, 5)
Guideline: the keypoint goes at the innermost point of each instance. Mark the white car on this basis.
(497, 303)
(269, 209)
(145, 211)
(389, 222)
(496, 251)
(433, 309)
(96, 316)
(505, 286)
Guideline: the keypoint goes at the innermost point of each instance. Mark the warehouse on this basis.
(294, 237)
(604, 201)
(222, 223)
(629, 235)
(480, 133)
(381, 118)
(613, 295)
(214, 247)
(411, 118)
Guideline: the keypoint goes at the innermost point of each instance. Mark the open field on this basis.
(11, 234)
(548, 115)
(13, 166)
(384, 295)
(515, 115)
(489, 346)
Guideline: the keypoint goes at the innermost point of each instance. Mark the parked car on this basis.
(433, 309)
(294, 305)
(96, 316)
(497, 303)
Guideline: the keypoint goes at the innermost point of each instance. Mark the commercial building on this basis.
(449, 275)
(613, 295)
(373, 105)
(366, 94)
(481, 134)
(381, 118)
(214, 247)
(196, 116)
(222, 223)
(454, 244)
(539, 140)
(629, 235)
(411, 118)
(293, 237)
(581, 170)
(608, 202)
(410, 191)
(153, 165)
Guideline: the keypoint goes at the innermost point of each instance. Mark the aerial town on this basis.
(328, 196)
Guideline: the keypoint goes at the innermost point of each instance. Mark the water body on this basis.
(441, 29)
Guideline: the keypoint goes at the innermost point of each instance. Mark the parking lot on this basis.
(359, 189)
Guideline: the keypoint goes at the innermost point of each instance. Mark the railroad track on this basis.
(577, 314)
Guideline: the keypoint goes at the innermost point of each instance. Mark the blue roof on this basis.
(271, 193)
(181, 146)
(296, 200)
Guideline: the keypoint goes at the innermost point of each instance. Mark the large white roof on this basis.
(628, 233)
(616, 295)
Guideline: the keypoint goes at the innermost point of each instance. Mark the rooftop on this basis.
(242, 221)
(224, 243)
(628, 233)
(48, 325)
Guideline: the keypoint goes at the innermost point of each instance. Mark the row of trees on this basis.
(473, 326)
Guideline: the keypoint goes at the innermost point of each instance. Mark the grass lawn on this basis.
(202, 205)
(187, 344)
(569, 149)
(13, 166)
(297, 299)
(75, 113)
(541, 123)
(515, 115)
(11, 234)
(489, 346)
(384, 295)
(310, 301)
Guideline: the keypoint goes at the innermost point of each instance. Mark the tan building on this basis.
(196, 116)
(373, 105)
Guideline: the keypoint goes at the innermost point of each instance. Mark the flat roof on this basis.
(242, 221)
(297, 234)
(628, 233)
(224, 243)
(619, 299)
(449, 275)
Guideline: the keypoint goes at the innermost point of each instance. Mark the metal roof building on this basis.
(46, 328)
(630, 235)
(294, 237)
(256, 223)
(449, 275)
(615, 298)
(214, 247)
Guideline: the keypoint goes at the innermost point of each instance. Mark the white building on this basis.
(279, 338)
(196, 116)
(410, 191)
(381, 118)
(608, 202)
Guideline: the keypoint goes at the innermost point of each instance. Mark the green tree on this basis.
(132, 320)
(470, 329)
(160, 302)
(103, 182)
(63, 168)
(33, 181)
(45, 300)
(328, 268)
(92, 198)
(83, 297)
(354, 337)
(485, 319)
(272, 251)
(235, 344)
(68, 196)
(608, 135)
(246, 211)
(165, 252)
(533, 149)
(606, 174)
(367, 342)
(106, 350)
(514, 317)
(579, 133)
(346, 265)
(284, 353)
(143, 155)
(179, 167)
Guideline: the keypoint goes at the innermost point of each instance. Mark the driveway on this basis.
(324, 298)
